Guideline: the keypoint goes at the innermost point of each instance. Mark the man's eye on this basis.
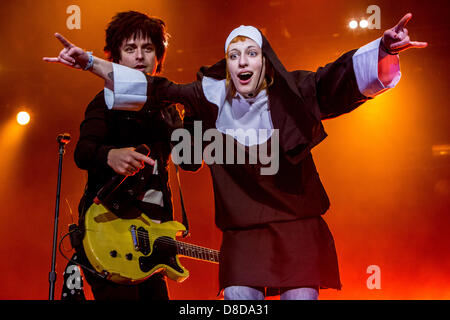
(148, 49)
(129, 49)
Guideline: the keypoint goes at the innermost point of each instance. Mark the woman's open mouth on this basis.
(245, 77)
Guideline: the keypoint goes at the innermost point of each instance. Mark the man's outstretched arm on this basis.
(77, 58)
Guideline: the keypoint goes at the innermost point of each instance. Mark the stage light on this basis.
(363, 23)
(353, 24)
(23, 118)
(441, 150)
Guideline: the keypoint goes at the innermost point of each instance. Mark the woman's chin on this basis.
(244, 91)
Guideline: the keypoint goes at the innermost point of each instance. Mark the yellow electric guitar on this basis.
(131, 250)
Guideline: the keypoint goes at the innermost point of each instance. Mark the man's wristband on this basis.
(385, 49)
(90, 61)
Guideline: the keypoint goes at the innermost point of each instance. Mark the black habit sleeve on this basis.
(334, 86)
(161, 90)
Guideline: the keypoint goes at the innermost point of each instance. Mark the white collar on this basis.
(243, 118)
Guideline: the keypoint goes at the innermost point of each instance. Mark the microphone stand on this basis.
(63, 140)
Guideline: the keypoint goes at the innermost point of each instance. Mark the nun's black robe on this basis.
(273, 232)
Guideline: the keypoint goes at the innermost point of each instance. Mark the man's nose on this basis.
(139, 54)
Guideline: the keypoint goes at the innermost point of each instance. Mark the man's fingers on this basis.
(126, 161)
(147, 160)
(132, 169)
(66, 57)
(126, 172)
(63, 40)
(58, 60)
(135, 164)
(63, 61)
(403, 21)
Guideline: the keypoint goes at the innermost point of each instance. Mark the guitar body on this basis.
(129, 250)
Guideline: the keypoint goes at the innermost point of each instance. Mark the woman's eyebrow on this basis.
(246, 48)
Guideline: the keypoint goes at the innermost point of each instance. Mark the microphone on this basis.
(63, 138)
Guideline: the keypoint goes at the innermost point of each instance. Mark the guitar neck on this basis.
(197, 252)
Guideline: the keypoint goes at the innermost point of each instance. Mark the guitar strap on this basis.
(183, 210)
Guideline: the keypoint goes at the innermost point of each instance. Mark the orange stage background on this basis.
(389, 189)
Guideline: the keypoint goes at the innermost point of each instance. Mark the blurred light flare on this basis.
(23, 118)
(363, 23)
(353, 24)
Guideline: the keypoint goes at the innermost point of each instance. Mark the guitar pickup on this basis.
(141, 241)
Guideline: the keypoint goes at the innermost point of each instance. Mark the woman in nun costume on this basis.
(275, 241)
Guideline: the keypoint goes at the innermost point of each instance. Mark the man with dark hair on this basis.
(132, 25)
(107, 142)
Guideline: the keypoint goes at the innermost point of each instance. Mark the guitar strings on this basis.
(188, 246)
(174, 241)
(146, 237)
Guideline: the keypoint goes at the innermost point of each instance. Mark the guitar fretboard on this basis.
(197, 252)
